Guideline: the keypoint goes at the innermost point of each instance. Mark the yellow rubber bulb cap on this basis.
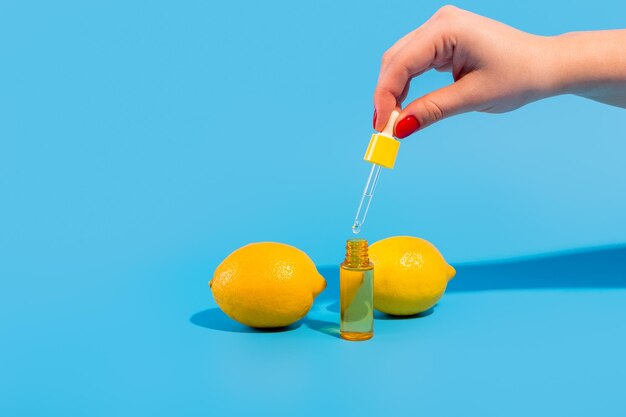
(383, 148)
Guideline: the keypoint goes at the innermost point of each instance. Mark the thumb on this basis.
(453, 99)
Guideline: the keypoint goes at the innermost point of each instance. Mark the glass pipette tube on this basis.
(366, 200)
(381, 152)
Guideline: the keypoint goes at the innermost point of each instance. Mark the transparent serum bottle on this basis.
(356, 285)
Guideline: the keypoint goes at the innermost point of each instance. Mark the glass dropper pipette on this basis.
(381, 152)
(366, 199)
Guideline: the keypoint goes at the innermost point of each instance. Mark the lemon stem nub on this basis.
(450, 272)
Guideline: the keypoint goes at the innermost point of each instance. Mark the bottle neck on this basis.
(356, 254)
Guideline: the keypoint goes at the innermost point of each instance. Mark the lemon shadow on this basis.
(215, 319)
(325, 327)
(384, 316)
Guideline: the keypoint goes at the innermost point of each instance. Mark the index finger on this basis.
(399, 65)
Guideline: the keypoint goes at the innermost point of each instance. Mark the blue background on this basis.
(141, 142)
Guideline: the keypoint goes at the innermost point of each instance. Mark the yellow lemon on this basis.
(266, 284)
(410, 275)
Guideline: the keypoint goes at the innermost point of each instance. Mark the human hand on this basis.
(495, 67)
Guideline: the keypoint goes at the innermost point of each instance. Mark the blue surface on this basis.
(137, 149)
(152, 123)
(538, 336)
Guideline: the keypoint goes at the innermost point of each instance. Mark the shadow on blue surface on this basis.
(214, 318)
(334, 308)
(326, 327)
(589, 268)
(329, 298)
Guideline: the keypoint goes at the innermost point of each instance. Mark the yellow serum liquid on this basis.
(356, 285)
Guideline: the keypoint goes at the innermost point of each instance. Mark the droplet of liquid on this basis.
(356, 228)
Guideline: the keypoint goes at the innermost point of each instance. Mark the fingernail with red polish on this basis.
(374, 120)
(406, 126)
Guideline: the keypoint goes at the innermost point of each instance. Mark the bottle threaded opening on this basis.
(357, 253)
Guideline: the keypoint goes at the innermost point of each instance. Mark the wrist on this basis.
(558, 77)
(583, 62)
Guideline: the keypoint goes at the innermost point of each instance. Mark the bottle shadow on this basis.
(329, 298)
